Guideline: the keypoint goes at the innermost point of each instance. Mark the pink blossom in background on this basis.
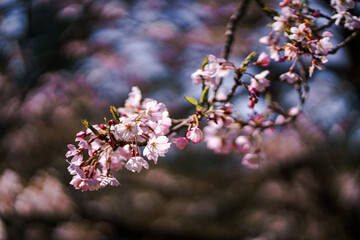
(181, 142)
(195, 135)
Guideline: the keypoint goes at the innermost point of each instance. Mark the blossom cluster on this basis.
(342, 6)
(295, 36)
(117, 143)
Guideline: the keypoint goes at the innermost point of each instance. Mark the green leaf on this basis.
(89, 126)
(268, 97)
(287, 30)
(191, 100)
(204, 63)
(115, 113)
(272, 12)
(204, 96)
(247, 60)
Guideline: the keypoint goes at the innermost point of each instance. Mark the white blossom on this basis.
(259, 82)
(135, 164)
(156, 146)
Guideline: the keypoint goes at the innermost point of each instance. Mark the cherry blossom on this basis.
(323, 46)
(263, 60)
(214, 68)
(156, 146)
(135, 164)
(342, 5)
(73, 151)
(243, 144)
(300, 32)
(181, 142)
(195, 135)
(127, 129)
(253, 160)
(109, 180)
(290, 77)
(259, 81)
(143, 128)
(116, 143)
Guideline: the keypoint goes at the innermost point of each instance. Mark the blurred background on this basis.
(62, 61)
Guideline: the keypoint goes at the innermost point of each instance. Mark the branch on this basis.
(318, 12)
(303, 94)
(346, 41)
(328, 24)
(262, 5)
(230, 28)
(229, 33)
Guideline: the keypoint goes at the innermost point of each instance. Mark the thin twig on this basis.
(346, 41)
(328, 24)
(232, 92)
(181, 123)
(318, 12)
(231, 27)
(262, 5)
(304, 94)
(229, 33)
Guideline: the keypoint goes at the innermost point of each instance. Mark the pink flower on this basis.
(80, 181)
(156, 146)
(267, 40)
(195, 135)
(279, 24)
(263, 60)
(316, 63)
(280, 120)
(134, 98)
(290, 77)
(110, 180)
(259, 82)
(352, 23)
(284, 3)
(181, 142)
(154, 110)
(253, 160)
(73, 151)
(290, 51)
(342, 5)
(272, 45)
(215, 68)
(274, 52)
(135, 164)
(338, 16)
(323, 46)
(127, 129)
(217, 139)
(327, 34)
(300, 32)
(293, 111)
(198, 77)
(243, 144)
(162, 126)
(81, 134)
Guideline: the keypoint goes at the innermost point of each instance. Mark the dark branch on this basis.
(230, 32)
(331, 22)
(262, 5)
(231, 27)
(346, 41)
